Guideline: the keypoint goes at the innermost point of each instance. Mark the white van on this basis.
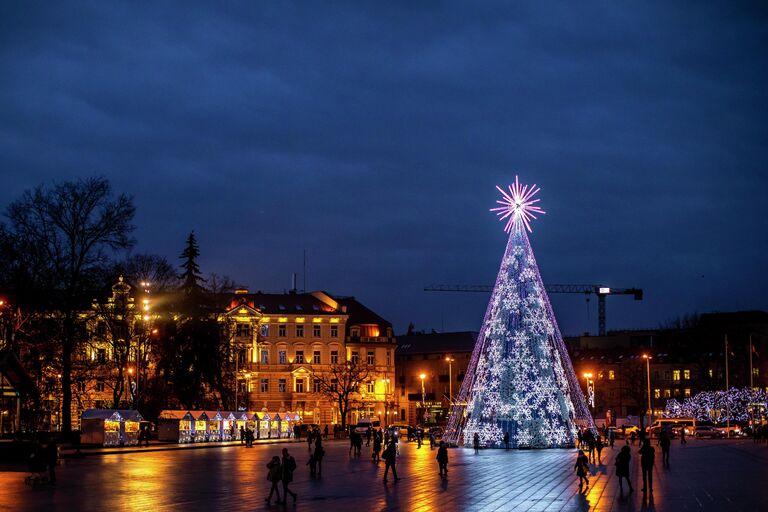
(364, 424)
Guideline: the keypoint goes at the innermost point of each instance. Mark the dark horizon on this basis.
(373, 137)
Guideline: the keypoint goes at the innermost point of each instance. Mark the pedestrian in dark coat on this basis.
(442, 458)
(599, 448)
(664, 442)
(51, 459)
(325, 432)
(310, 438)
(506, 440)
(622, 467)
(274, 475)
(647, 459)
(476, 442)
(390, 460)
(376, 447)
(582, 468)
(289, 466)
(319, 454)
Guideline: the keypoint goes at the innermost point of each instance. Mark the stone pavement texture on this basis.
(715, 475)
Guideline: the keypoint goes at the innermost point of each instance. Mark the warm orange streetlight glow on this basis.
(646, 356)
(130, 370)
(423, 376)
(588, 375)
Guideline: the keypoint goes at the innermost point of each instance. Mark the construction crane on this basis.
(600, 290)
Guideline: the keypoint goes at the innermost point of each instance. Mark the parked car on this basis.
(364, 424)
(400, 431)
(735, 431)
(627, 430)
(702, 431)
(438, 431)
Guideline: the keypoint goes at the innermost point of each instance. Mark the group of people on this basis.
(247, 436)
(281, 470)
(44, 457)
(593, 443)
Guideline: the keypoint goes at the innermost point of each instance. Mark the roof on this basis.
(173, 415)
(112, 414)
(11, 368)
(436, 343)
(360, 314)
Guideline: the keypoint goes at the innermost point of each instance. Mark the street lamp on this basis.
(590, 390)
(423, 376)
(450, 360)
(648, 371)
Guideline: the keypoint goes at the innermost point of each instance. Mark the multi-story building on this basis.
(281, 347)
(442, 360)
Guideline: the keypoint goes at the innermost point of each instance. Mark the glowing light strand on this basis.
(518, 206)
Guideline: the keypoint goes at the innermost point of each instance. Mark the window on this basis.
(666, 375)
(611, 394)
(370, 387)
(710, 373)
(299, 385)
(281, 385)
(334, 357)
(756, 372)
(677, 392)
(655, 374)
(676, 375)
(334, 331)
(354, 332)
(371, 357)
(667, 393)
(334, 384)
(316, 387)
(299, 331)
(281, 330)
(99, 386)
(264, 385)
(599, 375)
(265, 357)
(281, 357)
(316, 331)
(687, 392)
(242, 330)
(687, 374)
(265, 330)
(389, 358)
(656, 393)
(316, 357)
(101, 356)
(611, 375)
(299, 357)
(355, 357)
(81, 387)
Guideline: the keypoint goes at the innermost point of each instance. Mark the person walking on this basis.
(506, 439)
(442, 459)
(582, 469)
(325, 431)
(274, 475)
(289, 466)
(599, 448)
(647, 459)
(419, 435)
(310, 438)
(376, 447)
(622, 467)
(51, 459)
(242, 435)
(664, 442)
(368, 433)
(319, 454)
(590, 438)
(476, 442)
(611, 437)
(390, 460)
(632, 438)
(682, 436)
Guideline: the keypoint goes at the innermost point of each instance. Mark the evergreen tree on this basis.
(191, 275)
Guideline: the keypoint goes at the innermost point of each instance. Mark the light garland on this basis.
(520, 380)
(734, 404)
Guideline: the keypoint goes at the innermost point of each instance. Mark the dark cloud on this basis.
(372, 137)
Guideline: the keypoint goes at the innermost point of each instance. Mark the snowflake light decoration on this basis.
(518, 206)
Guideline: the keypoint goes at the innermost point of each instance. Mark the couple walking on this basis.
(281, 471)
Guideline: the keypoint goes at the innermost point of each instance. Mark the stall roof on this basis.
(112, 414)
(199, 415)
(174, 415)
(214, 415)
(130, 415)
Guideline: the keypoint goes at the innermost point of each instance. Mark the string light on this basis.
(739, 404)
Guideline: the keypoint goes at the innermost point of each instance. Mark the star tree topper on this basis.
(518, 206)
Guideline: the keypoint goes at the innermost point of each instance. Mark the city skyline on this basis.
(373, 140)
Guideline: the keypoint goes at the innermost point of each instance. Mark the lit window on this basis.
(299, 385)
(99, 386)
(316, 331)
(677, 391)
(281, 385)
(656, 393)
(389, 358)
(299, 331)
(676, 375)
(299, 357)
(265, 330)
(687, 374)
(264, 385)
(101, 356)
(265, 357)
(281, 330)
(316, 386)
(710, 373)
(756, 372)
(355, 357)
(370, 387)
(667, 393)
(611, 375)
(242, 330)
(334, 331)
(282, 358)
(599, 375)
(687, 392)
(334, 357)
(316, 357)
(371, 357)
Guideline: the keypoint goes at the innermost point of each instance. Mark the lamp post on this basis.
(450, 360)
(648, 373)
(423, 376)
(590, 391)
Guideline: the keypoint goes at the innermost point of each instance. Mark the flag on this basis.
(754, 351)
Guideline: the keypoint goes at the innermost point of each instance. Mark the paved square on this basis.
(715, 475)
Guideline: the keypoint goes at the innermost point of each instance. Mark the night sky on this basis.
(373, 136)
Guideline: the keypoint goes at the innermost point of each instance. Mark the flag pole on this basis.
(751, 383)
(727, 409)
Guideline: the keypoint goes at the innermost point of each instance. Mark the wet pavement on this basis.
(716, 475)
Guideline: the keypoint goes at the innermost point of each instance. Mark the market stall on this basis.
(215, 426)
(110, 427)
(262, 420)
(130, 427)
(200, 426)
(175, 426)
(241, 420)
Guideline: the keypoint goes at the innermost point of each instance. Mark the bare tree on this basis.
(340, 384)
(66, 235)
(149, 268)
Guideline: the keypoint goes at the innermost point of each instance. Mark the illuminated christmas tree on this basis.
(520, 379)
